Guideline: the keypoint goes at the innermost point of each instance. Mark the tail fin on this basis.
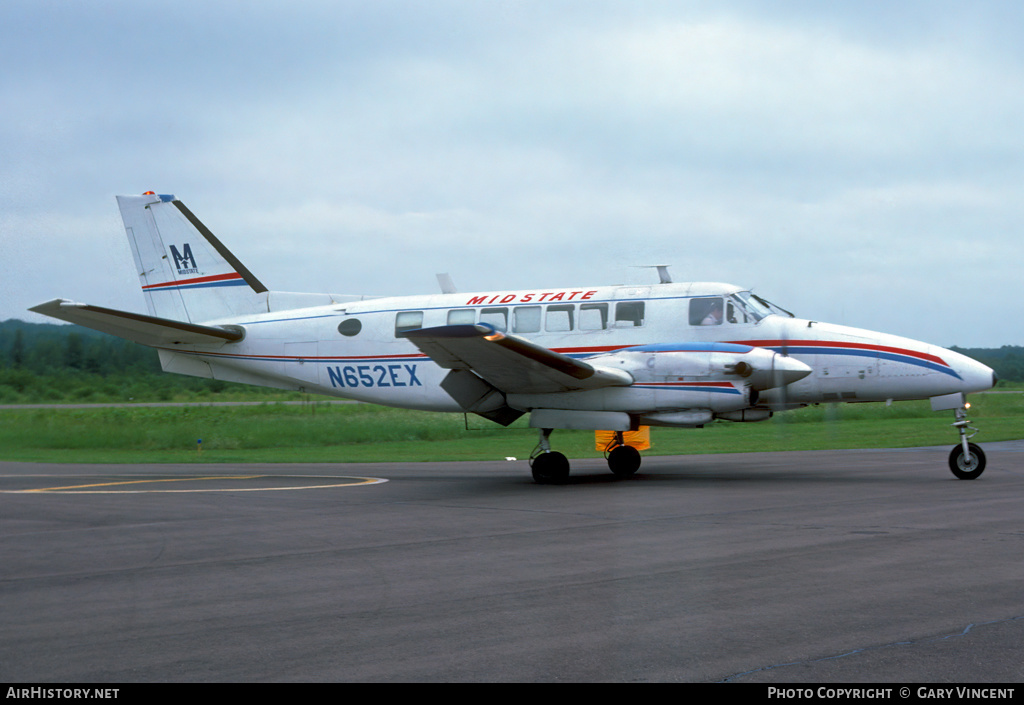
(185, 272)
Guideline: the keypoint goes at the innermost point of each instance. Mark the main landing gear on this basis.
(550, 467)
(966, 460)
(623, 460)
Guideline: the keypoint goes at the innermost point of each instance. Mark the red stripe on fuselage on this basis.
(840, 344)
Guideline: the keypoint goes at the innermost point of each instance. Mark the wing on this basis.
(511, 364)
(148, 330)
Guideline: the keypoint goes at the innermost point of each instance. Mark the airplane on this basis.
(603, 358)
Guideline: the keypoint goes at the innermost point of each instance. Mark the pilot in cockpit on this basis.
(714, 314)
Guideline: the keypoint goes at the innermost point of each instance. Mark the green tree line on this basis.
(53, 363)
(44, 348)
(1007, 361)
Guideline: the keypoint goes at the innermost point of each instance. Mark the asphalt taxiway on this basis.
(772, 567)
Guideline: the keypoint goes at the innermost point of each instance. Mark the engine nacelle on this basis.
(676, 385)
(758, 368)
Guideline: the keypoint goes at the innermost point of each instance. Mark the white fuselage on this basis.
(356, 349)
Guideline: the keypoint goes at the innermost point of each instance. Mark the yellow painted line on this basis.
(82, 489)
(135, 482)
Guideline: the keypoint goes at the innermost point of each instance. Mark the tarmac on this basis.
(870, 566)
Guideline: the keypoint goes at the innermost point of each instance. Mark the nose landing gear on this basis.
(966, 460)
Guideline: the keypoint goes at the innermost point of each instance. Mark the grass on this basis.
(317, 432)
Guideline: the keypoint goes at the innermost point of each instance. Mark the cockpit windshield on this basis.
(743, 307)
(757, 308)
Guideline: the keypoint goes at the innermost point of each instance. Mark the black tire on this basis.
(968, 468)
(624, 460)
(550, 468)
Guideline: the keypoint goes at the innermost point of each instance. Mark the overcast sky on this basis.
(857, 163)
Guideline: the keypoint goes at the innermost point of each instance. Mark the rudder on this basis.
(185, 272)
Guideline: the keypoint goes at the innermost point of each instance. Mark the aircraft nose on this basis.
(975, 376)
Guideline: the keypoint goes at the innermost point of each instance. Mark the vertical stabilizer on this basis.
(185, 272)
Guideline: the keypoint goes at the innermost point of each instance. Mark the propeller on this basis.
(779, 377)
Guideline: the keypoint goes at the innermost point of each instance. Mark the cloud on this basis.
(832, 158)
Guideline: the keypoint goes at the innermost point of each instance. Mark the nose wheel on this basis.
(966, 460)
(967, 465)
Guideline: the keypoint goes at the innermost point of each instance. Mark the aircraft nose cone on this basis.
(974, 376)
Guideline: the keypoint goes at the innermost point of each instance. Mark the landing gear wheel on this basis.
(967, 467)
(624, 460)
(550, 468)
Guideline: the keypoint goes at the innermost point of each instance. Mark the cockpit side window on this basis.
(734, 312)
(706, 311)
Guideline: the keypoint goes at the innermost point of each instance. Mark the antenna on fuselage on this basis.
(446, 283)
(663, 275)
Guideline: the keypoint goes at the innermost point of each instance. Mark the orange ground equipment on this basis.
(606, 440)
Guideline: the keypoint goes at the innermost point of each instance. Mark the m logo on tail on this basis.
(184, 262)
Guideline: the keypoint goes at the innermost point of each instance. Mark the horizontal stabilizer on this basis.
(511, 364)
(147, 330)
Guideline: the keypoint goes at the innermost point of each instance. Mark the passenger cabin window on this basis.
(560, 318)
(462, 316)
(406, 321)
(553, 318)
(496, 317)
(526, 319)
(706, 311)
(593, 316)
(629, 314)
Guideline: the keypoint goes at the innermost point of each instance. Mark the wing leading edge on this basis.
(511, 364)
